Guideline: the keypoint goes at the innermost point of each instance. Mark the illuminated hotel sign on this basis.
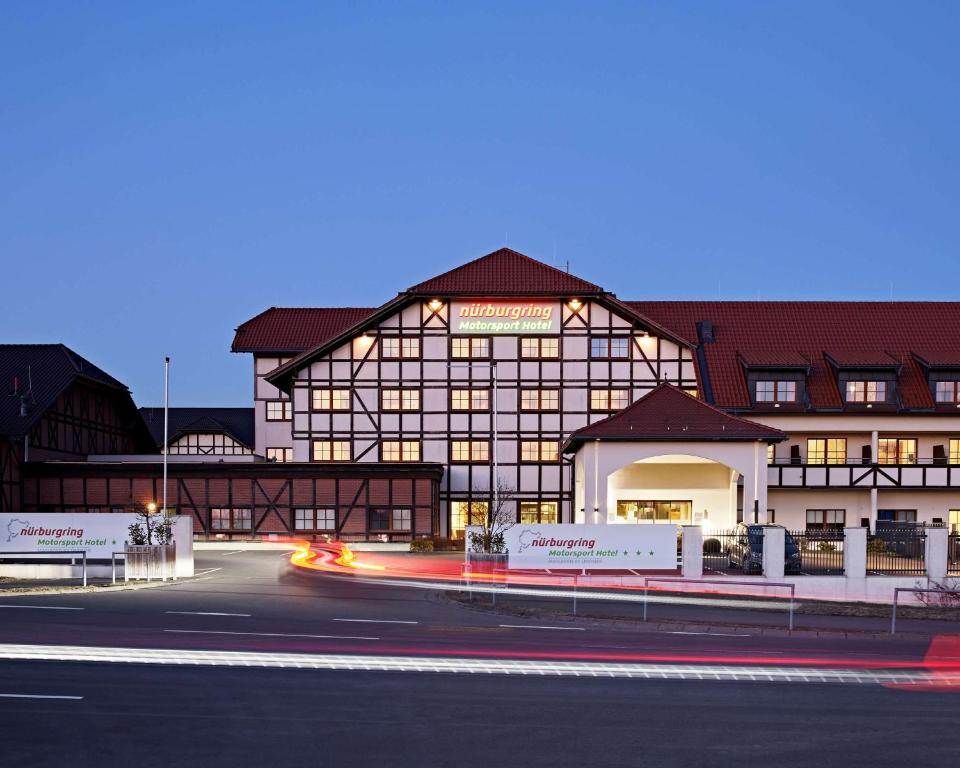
(504, 317)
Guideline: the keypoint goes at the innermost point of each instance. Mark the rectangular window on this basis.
(866, 391)
(947, 391)
(609, 399)
(470, 399)
(279, 410)
(330, 400)
(539, 451)
(826, 450)
(315, 519)
(230, 518)
(464, 513)
(392, 347)
(470, 347)
(540, 399)
(954, 451)
(538, 512)
(610, 347)
(676, 512)
(400, 450)
(470, 451)
(400, 399)
(776, 391)
(331, 450)
(826, 519)
(539, 347)
(771, 454)
(896, 450)
(280, 455)
(391, 520)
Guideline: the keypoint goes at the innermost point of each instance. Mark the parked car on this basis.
(746, 550)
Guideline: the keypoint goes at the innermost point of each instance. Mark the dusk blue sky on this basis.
(168, 170)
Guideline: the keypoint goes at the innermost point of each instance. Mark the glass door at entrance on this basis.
(676, 512)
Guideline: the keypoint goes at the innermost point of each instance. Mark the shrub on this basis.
(421, 545)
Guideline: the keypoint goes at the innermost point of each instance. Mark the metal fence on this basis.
(815, 552)
(897, 550)
(717, 547)
(953, 554)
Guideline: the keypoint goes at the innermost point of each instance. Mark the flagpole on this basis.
(166, 425)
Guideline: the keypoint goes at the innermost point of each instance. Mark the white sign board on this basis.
(572, 545)
(496, 317)
(100, 534)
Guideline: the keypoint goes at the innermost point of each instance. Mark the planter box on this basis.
(150, 561)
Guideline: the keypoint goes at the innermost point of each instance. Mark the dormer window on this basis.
(948, 391)
(776, 391)
(866, 391)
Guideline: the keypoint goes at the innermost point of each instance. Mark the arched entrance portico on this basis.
(671, 458)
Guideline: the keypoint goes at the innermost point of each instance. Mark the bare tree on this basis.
(499, 519)
(151, 527)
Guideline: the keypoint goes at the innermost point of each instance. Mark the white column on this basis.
(692, 552)
(855, 552)
(874, 446)
(873, 509)
(760, 481)
(594, 486)
(774, 543)
(936, 553)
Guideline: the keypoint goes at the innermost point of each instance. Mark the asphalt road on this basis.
(151, 714)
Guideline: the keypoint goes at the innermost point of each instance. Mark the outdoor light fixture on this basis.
(575, 304)
(435, 305)
(151, 507)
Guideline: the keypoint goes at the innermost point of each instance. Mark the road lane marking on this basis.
(529, 626)
(266, 634)
(207, 571)
(208, 613)
(735, 671)
(237, 552)
(37, 696)
(712, 634)
(378, 621)
(44, 607)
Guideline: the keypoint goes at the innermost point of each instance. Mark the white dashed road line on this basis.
(44, 607)
(528, 626)
(377, 621)
(208, 613)
(38, 696)
(265, 634)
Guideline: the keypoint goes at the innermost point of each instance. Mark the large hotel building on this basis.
(508, 379)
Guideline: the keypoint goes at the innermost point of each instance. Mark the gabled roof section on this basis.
(886, 333)
(505, 273)
(292, 330)
(667, 413)
(237, 423)
(35, 375)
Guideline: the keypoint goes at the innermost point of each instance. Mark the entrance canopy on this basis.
(671, 458)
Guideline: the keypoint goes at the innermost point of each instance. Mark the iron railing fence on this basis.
(897, 549)
(953, 554)
(717, 547)
(815, 552)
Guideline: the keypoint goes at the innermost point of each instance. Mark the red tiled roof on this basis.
(295, 329)
(857, 331)
(505, 272)
(667, 413)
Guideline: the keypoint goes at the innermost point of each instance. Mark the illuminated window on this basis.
(470, 347)
(315, 519)
(948, 391)
(540, 399)
(470, 451)
(331, 450)
(399, 346)
(280, 455)
(464, 513)
(539, 451)
(776, 391)
(896, 450)
(830, 450)
(391, 520)
(400, 450)
(771, 454)
(279, 410)
(230, 518)
(614, 347)
(539, 347)
(866, 391)
(331, 400)
(543, 512)
(470, 399)
(692, 391)
(826, 519)
(400, 399)
(609, 399)
(676, 512)
(955, 451)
